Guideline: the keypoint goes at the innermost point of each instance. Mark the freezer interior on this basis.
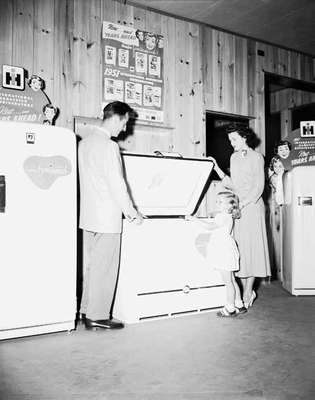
(166, 186)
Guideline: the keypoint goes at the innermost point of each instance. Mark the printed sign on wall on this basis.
(133, 69)
(302, 144)
(24, 100)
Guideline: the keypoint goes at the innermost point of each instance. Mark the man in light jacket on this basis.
(103, 200)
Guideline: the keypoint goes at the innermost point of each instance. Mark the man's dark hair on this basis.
(116, 108)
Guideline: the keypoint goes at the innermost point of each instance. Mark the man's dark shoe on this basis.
(80, 318)
(103, 323)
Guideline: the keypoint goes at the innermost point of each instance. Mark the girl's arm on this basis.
(207, 223)
(279, 194)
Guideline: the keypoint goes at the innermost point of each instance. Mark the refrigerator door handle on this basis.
(2, 193)
(305, 200)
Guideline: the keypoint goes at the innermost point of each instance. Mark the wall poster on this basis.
(133, 69)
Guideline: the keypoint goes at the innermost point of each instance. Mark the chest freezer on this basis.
(37, 229)
(298, 219)
(163, 271)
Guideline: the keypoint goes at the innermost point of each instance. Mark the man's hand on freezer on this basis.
(136, 219)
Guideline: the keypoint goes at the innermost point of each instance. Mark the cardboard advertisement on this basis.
(302, 142)
(133, 69)
(24, 100)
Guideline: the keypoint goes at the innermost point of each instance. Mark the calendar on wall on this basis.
(133, 69)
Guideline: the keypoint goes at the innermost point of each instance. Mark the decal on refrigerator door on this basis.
(43, 171)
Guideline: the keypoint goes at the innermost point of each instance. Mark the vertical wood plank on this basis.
(23, 34)
(182, 101)
(207, 47)
(228, 90)
(283, 62)
(63, 59)
(259, 96)
(109, 11)
(196, 92)
(139, 17)
(168, 31)
(307, 66)
(313, 77)
(187, 37)
(87, 58)
(94, 60)
(44, 44)
(286, 126)
(6, 32)
(218, 38)
(251, 68)
(81, 8)
(241, 77)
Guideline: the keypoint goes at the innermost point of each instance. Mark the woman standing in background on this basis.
(247, 182)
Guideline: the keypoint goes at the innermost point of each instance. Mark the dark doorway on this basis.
(217, 142)
(273, 133)
(302, 113)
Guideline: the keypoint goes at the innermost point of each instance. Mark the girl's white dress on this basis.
(222, 251)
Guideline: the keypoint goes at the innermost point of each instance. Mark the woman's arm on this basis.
(226, 180)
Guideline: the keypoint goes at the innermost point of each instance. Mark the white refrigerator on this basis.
(298, 242)
(163, 270)
(38, 221)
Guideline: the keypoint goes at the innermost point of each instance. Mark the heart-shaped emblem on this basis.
(43, 171)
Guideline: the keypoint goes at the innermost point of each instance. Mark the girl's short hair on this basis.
(233, 202)
(51, 107)
(273, 161)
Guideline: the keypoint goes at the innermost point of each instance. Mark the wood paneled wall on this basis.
(290, 98)
(205, 69)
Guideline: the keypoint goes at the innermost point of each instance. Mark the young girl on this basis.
(276, 171)
(222, 251)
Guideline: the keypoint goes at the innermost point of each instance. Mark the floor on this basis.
(266, 354)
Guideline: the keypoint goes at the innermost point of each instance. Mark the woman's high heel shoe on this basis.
(251, 300)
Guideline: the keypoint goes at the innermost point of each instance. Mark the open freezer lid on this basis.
(167, 185)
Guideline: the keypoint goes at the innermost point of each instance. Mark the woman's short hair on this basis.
(244, 131)
(233, 202)
(282, 143)
(36, 78)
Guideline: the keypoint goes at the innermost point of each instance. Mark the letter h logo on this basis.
(12, 77)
